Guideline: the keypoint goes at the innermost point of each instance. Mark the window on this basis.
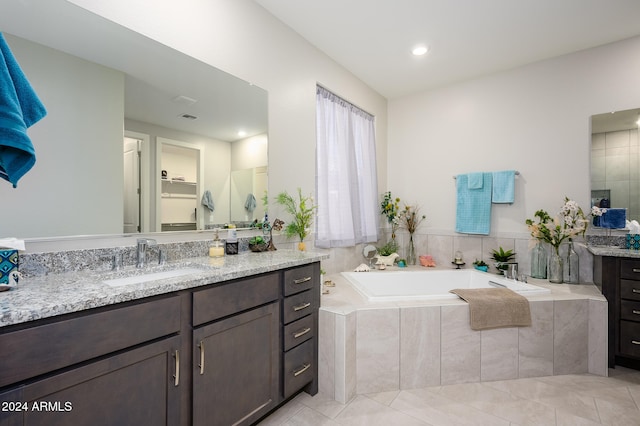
(346, 180)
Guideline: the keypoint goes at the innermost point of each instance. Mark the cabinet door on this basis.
(133, 388)
(235, 374)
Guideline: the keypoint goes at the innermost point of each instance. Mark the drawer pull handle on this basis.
(308, 329)
(176, 377)
(636, 269)
(635, 342)
(302, 280)
(635, 290)
(201, 365)
(305, 367)
(301, 307)
(635, 311)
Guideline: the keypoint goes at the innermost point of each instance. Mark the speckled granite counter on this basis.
(56, 294)
(613, 252)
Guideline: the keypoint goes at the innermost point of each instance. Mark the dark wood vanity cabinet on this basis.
(620, 281)
(301, 291)
(235, 354)
(115, 366)
(227, 353)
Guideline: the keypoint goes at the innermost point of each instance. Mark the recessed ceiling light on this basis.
(242, 133)
(420, 50)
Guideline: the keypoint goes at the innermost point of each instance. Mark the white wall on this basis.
(535, 119)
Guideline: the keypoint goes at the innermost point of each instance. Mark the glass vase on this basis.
(571, 265)
(411, 251)
(539, 261)
(555, 267)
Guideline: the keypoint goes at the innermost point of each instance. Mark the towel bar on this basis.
(516, 173)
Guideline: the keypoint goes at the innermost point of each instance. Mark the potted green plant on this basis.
(480, 265)
(302, 211)
(502, 258)
(388, 253)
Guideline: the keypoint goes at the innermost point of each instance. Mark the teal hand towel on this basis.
(504, 187)
(475, 180)
(473, 206)
(20, 108)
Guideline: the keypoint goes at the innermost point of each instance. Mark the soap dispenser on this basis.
(216, 249)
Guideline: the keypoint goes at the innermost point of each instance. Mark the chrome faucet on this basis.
(143, 243)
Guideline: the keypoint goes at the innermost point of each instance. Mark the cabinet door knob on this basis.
(635, 290)
(304, 368)
(635, 311)
(301, 307)
(306, 330)
(176, 377)
(201, 365)
(636, 269)
(302, 280)
(635, 342)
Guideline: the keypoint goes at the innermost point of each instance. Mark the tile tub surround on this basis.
(44, 296)
(368, 347)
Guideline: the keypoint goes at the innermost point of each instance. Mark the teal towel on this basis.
(473, 206)
(474, 180)
(504, 187)
(20, 108)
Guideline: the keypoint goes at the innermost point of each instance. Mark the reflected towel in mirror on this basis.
(207, 200)
(250, 204)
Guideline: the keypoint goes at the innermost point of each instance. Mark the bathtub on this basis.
(386, 286)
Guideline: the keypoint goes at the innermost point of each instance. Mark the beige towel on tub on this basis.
(495, 308)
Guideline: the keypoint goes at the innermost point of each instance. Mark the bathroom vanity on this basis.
(223, 346)
(617, 272)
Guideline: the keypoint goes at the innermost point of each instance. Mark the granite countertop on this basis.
(613, 251)
(56, 294)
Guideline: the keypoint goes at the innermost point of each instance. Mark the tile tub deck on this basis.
(369, 347)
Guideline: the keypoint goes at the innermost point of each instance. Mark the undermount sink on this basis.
(152, 276)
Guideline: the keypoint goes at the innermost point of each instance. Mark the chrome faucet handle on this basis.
(146, 241)
(117, 262)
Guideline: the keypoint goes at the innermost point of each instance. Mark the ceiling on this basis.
(467, 38)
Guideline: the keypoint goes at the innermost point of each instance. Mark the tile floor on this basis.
(580, 399)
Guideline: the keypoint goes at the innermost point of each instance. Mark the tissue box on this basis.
(633, 241)
(8, 264)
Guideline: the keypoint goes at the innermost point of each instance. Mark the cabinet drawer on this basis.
(630, 338)
(630, 289)
(630, 310)
(234, 297)
(301, 278)
(298, 332)
(297, 306)
(630, 269)
(299, 368)
(40, 349)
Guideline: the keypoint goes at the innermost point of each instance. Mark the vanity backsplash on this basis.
(55, 262)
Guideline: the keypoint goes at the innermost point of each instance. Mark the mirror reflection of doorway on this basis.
(132, 192)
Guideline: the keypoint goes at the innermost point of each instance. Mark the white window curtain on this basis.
(346, 184)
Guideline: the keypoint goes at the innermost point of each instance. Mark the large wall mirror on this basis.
(615, 160)
(138, 137)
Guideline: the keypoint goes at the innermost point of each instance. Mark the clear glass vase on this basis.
(539, 261)
(411, 251)
(555, 267)
(571, 265)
